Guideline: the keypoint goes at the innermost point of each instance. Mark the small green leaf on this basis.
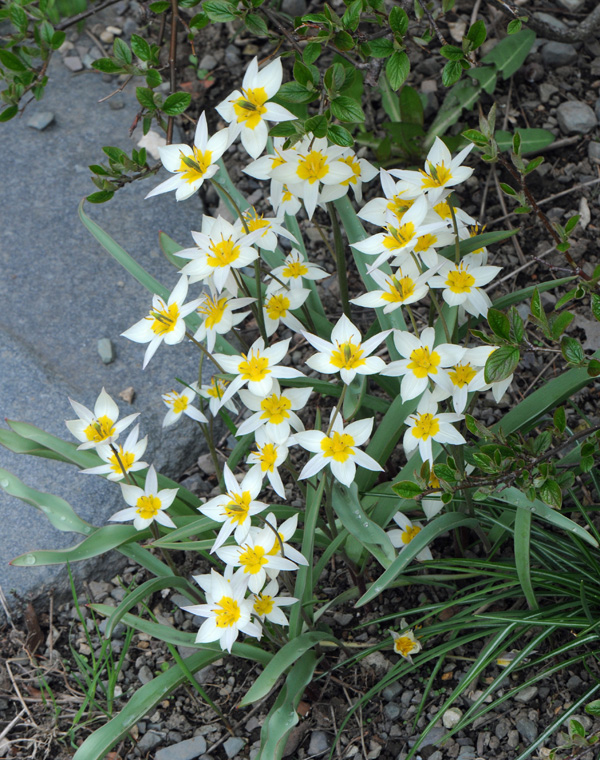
(516, 325)
(292, 92)
(572, 350)
(398, 21)
(570, 225)
(477, 34)
(476, 427)
(451, 73)
(474, 136)
(311, 52)
(176, 103)
(537, 309)
(499, 323)
(407, 489)
(381, 48)
(510, 53)
(452, 53)
(121, 51)
(140, 47)
(217, 10)
(340, 136)
(593, 708)
(351, 17)
(10, 61)
(397, 69)
(100, 197)
(593, 368)
(159, 7)
(317, 125)
(343, 41)
(514, 26)
(145, 97)
(501, 364)
(560, 419)
(107, 66)
(153, 78)
(551, 494)
(443, 472)
(507, 189)
(256, 24)
(595, 302)
(11, 111)
(559, 323)
(347, 109)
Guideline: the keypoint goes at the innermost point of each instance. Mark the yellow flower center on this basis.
(194, 167)
(338, 446)
(433, 481)
(217, 388)
(425, 242)
(276, 546)
(295, 269)
(252, 560)
(426, 425)
(313, 166)
(165, 319)
(404, 645)
(254, 368)
(462, 374)
(127, 459)
(100, 429)
(437, 176)
(443, 209)
(278, 160)
(227, 611)
(180, 404)
(213, 308)
(423, 363)
(238, 508)
(275, 409)
(409, 533)
(267, 456)
(277, 306)
(347, 356)
(398, 290)
(251, 106)
(263, 604)
(148, 506)
(286, 196)
(255, 221)
(353, 163)
(398, 237)
(223, 254)
(399, 205)
(460, 281)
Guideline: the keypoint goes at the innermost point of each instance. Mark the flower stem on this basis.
(436, 303)
(206, 352)
(340, 258)
(165, 552)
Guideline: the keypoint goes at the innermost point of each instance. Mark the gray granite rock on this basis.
(559, 54)
(527, 729)
(61, 292)
(575, 117)
(40, 119)
(185, 750)
(233, 745)
(149, 741)
(319, 742)
(106, 350)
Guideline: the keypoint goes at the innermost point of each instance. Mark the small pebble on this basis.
(208, 62)
(527, 694)
(575, 682)
(106, 350)
(391, 710)
(183, 750)
(392, 691)
(149, 741)
(73, 63)
(40, 120)
(116, 103)
(145, 674)
(107, 37)
(233, 745)
(451, 717)
(319, 742)
(527, 729)
(502, 728)
(575, 117)
(513, 738)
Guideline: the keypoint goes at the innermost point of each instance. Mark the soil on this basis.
(41, 682)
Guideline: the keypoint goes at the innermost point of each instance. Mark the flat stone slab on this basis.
(62, 293)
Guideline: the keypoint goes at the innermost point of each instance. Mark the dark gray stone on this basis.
(551, 21)
(575, 117)
(527, 694)
(391, 691)
(233, 745)
(232, 56)
(185, 750)
(145, 674)
(502, 728)
(73, 63)
(391, 710)
(60, 292)
(559, 54)
(294, 7)
(40, 119)
(149, 741)
(527, 729)
(208, 62)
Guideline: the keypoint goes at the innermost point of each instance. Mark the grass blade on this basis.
(522, 558)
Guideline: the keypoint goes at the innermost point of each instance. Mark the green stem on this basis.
(340, 259)
(206, 352)
(165, 552)
(436, 303)
(413, 321)
(260, 313)
(456, 238)
(337, 409)
(221, 189)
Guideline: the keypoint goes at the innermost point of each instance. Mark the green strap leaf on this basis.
(58, 511)
(281, 661)
(426, 535)
(522, 558)
(282, 716)
(102, 540)
(348, 508)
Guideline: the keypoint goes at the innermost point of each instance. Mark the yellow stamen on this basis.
(460, 281)
(338, 446)
(197, 165)
(252, 560)
(251, 106)
(347, 356)
(254, 368)
(423, 363)
(426, 425)
(227, 611)
(275, 409)
(99, 430)
(165, 319)
(148, 506)
(313, 167)
(263, 604)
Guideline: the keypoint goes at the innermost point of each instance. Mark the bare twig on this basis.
(583, 31)
(80, 16)
(515, 242)
(18, 692)
(13, 722)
